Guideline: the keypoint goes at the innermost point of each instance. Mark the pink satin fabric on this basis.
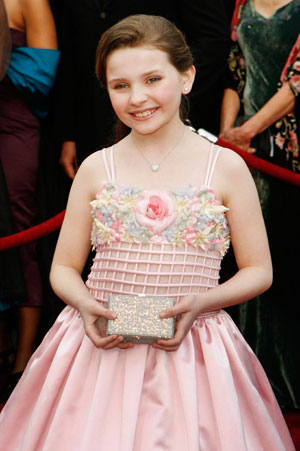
(210, 395)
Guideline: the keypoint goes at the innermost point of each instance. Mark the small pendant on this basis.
(155, 167)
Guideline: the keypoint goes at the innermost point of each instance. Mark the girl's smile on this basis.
(144, 114)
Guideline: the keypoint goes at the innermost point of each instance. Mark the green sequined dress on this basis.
(270, 322)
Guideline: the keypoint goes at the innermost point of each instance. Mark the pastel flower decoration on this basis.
(190, 216)
(155, 210)
(99, 214)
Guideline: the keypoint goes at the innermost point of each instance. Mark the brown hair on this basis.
(139, 30)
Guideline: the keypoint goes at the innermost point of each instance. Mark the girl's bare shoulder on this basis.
(234, 177)
(228, 164)
(92, 171)
(231, 162)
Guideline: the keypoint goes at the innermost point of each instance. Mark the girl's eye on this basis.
(120, 86)
(153, 79)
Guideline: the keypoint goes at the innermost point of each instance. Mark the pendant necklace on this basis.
(156, 166)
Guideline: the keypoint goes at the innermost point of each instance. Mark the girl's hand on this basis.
(187, 311)
(95, 317)
(239, 137)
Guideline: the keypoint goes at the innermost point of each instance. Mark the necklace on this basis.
(156, 166)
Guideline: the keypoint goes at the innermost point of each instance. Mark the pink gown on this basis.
(210, 395)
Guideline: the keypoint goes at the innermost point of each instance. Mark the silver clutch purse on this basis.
(138, 318)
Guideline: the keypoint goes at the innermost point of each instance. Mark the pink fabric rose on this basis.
(155, 210)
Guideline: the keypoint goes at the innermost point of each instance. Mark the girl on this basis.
(160, 227)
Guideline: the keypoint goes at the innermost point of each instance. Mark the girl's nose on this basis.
(138, 95)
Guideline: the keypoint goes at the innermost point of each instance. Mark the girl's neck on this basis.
(158, 143)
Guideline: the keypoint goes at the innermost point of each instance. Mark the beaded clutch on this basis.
(138, 318)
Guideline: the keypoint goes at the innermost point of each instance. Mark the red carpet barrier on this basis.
(33, 233)
(264, 166)
(54, 223)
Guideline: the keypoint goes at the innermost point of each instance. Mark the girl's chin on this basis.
(149, 126)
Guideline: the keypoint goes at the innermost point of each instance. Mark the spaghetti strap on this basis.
(112, 164)
(110, 174)
(211, 164)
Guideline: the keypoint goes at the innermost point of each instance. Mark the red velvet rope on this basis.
(54, 223)
(33, 233)
(264, 166)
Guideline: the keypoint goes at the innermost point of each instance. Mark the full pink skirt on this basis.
(210, 395)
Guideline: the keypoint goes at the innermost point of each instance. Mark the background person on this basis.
(265, 63)
(23, 101)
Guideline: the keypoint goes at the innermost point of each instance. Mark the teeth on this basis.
(145, 113)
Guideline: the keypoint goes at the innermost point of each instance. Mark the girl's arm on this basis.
(282, 103)
(39, 24)
(71, 253)
(250, 244)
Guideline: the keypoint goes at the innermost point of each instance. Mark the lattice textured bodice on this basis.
(157, 242)
(152, 269)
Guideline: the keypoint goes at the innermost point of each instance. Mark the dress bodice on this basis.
(190, 216)
(158, 242)
(266, 44)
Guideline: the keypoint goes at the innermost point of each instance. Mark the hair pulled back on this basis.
(150, 31)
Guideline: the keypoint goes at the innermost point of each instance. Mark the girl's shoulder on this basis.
(92, 171)
(227, 159)
(230, 160)
(94, 164)
(231, 175)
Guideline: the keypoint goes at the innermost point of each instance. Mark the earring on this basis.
(186, 89)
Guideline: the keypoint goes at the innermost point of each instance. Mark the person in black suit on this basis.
(84, 119)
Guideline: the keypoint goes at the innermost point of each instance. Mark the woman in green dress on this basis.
(259, 115)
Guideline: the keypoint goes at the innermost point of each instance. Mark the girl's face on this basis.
(145, 88)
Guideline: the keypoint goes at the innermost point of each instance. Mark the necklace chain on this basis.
(156, 166)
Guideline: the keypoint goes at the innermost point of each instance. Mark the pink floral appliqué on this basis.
(155, 210)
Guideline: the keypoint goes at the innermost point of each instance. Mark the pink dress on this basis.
(210, 395)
